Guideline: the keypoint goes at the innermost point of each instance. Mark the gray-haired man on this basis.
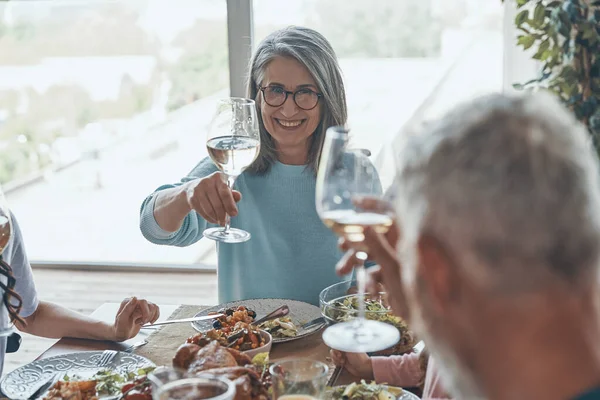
(499, 208)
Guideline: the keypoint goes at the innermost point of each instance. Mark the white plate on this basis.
(22, 382)
(400, 393)
(300, 313)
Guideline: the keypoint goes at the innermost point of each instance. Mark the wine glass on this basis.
(196, 388)
(6, 231)
(233, 144)
(345, 177)
(299, 379)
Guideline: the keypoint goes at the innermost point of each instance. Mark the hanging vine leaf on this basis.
(522, 17)
(526, 41)
(539, 14)
(566, 38)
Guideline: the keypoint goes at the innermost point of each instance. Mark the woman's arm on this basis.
(171, 207)
(404, 370)
(166, 215)
(54, 321)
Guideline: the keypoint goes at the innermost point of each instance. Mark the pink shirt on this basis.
(405, 371)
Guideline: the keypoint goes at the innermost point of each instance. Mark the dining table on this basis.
(163, 341)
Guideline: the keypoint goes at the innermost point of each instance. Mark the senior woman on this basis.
(296, 82)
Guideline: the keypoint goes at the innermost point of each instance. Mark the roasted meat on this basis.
(212, 356)
(185, 355)
(248, 385)
(214, 359)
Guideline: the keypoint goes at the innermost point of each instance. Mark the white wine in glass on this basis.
(233, 143)
(344, 178)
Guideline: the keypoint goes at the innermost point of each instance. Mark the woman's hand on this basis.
(212, 199)
(132, 314)
(358, 364)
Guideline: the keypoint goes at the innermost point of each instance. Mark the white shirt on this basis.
(15, 256)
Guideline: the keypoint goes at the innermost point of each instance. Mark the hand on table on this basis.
(132, 314)
(358, 364)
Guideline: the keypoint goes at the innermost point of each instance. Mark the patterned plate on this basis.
(300, 313)
(400, 393)
(22, 382)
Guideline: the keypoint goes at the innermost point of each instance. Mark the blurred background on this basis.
(103, 101)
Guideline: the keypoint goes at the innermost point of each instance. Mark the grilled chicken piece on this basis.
(214, 359)
(241, 358)
(185, 355)
(212, 356)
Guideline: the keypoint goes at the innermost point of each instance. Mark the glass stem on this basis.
(230, 181)
(361, 278)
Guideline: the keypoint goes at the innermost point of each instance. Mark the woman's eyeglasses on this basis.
(305, 99)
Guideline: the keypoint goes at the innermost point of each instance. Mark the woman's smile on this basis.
(289, 125)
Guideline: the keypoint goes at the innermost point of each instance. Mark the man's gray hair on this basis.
(510, 186)
(312, 50)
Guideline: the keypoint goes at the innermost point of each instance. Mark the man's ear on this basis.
(436, 269)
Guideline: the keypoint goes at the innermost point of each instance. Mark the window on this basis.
(400, 57)
(100, 103)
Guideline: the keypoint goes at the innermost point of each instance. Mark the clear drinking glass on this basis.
(233, 144)
(6, 230)
(299, 379)
(213, 388)
(163, 375)
(344, 177)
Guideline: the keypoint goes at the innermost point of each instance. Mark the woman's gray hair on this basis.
(510, 186)
(312, 50)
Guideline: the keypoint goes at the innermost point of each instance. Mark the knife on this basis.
(178, 321)
(47, 385)
(310, 324)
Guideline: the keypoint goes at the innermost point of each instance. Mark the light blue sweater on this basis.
(291, 253)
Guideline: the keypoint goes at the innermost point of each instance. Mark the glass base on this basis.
(233, 235)
(364, 336)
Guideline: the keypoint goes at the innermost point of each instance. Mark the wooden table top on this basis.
(310, 347)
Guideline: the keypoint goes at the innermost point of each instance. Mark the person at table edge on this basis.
(291, 253)
(22, 306)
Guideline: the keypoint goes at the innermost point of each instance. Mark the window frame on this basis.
(517, 66)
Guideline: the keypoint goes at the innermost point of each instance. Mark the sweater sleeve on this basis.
(193, 224)
(403, 370)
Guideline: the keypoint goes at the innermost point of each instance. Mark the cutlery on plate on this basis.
(334, 377)
(314, 322)
(106, 358)
(278, 313)
(45, 386)
(136, 345)
(234, 337)
(178, 321)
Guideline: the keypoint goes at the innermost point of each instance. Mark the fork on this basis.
(106, 358)
(136, 345)
(334, 377)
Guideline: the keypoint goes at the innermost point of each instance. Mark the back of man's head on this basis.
(499, 209)
(510, 186)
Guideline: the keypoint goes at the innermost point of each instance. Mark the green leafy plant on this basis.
(565, 36)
